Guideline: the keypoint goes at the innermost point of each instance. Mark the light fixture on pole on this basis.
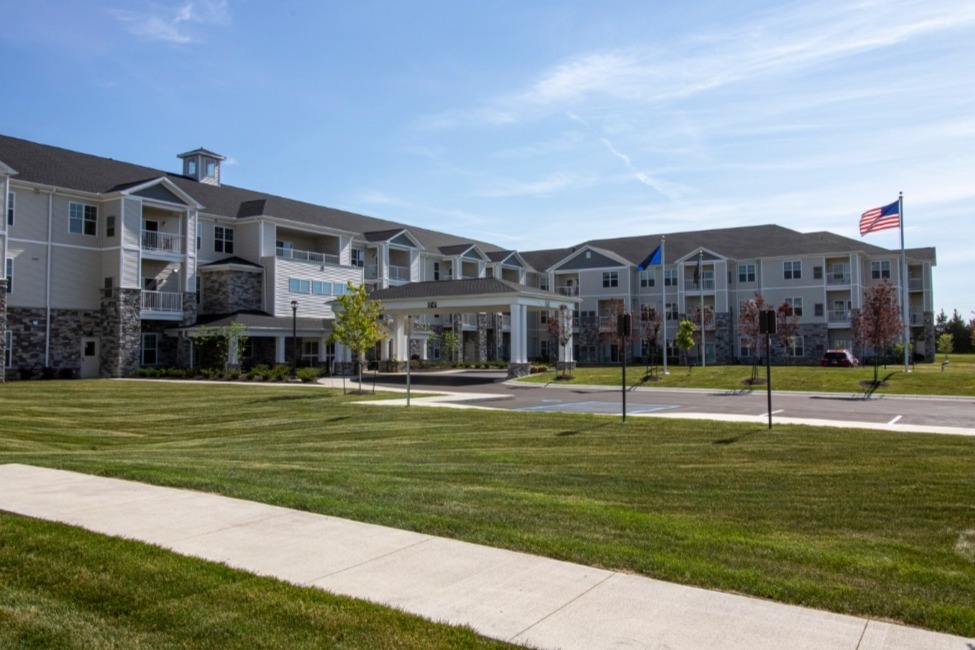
(294, 337)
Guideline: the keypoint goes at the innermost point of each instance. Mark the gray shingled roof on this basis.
(451, 288)
(60, 167)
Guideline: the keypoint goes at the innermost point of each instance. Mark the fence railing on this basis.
(305, 256)
(162, 301)
(163, 242)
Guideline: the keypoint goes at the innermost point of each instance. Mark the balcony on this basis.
(400, 273)
(837, 278)
(162, 242)
(162, 305)
(917, 320)
(915, 284)
(305, 256)
(838, 316)
(567, 291)
(707, 284)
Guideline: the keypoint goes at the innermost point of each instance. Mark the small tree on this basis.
(650, 325)
(219, 347)
(787, 328)
(449, 342)
(750, 328)
(685, 340)
(358, 322)
(559, 325)
(878, 323)
(946, 344)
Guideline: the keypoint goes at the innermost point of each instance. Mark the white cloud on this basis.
(170, 24)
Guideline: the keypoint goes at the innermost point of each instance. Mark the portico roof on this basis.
(469, 295)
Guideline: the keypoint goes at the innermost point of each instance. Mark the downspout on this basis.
(47, 282)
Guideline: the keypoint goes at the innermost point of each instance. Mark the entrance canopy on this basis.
(472, 296)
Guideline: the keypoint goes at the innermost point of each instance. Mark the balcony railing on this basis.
(707, 284)
(917, 320)
(838, 315)
(169, 302)
(567, 291)
(505, 322)
(399, 273)
(305, 256)
(837, 278)
(915, 284)
(162, 242)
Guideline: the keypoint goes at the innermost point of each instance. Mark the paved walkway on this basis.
(520, 598)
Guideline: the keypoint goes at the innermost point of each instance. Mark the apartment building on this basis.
(110, 266)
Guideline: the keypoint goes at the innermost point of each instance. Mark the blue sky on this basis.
(532, 124)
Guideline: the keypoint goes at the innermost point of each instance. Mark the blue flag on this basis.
(651, 260)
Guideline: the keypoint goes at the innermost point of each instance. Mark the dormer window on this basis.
(191, 167)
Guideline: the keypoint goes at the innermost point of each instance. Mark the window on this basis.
(82, 219)
(792, 270)
(108, 284)
(610, 279)
(671, 311)
(150, 348)
(817, 273)
(543, 318)
(211, 167)
(358, 257)
(648, 278)
(321, 288)
(543, 283)
(880, 270)
(798, 347)
(223, 240)
(818, 309)
(436, 271)
(10, 275)
(110, 225)
(794, 306)
(340, 289)
(199, 235)
(191, 167)
(309, 353)
(10, 208)
(746, 273)
(284, 248)
(296, 285)
(670, 277)
(8, 350)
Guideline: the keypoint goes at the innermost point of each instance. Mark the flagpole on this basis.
(904, 288)
(663, 279)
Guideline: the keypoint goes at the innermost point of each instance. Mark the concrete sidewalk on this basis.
(528, 600)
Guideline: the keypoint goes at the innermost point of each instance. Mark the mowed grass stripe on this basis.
(862, 522)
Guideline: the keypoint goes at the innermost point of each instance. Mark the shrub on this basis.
(279, 372)
(308, 375)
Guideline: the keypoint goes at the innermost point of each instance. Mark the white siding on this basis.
(310, 305)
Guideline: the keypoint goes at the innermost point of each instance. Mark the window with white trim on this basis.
(199, 235)
(670, 277)
(794, 306)
(150, 348)
(436, 271)
(358, 257)
(340, 289)
(223, 240)
(611, 279)
(8, 350)
(880, 269)
(309, 353)
(320, 288)
(82, 219)
(671, 311)
(792, 270)
(10, 208)
(648, 278)
(797, 348)
(299, 285)
(10, 275)
(746, 273)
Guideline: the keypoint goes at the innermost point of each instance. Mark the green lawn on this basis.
(862, 522)
(62, 587)
(957, 378)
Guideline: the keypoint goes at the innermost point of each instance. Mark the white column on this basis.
(279, 342)
(516, 332)
(399, 337)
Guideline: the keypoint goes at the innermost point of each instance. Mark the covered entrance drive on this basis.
(472, 297)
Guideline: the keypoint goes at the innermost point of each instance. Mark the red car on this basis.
(840, 359)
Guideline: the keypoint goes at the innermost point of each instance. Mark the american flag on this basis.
(881, 218)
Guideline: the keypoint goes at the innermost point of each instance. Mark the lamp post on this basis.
(409, 336)
(294, 337)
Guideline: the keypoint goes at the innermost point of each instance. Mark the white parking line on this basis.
(894, 421)
(765, 414)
